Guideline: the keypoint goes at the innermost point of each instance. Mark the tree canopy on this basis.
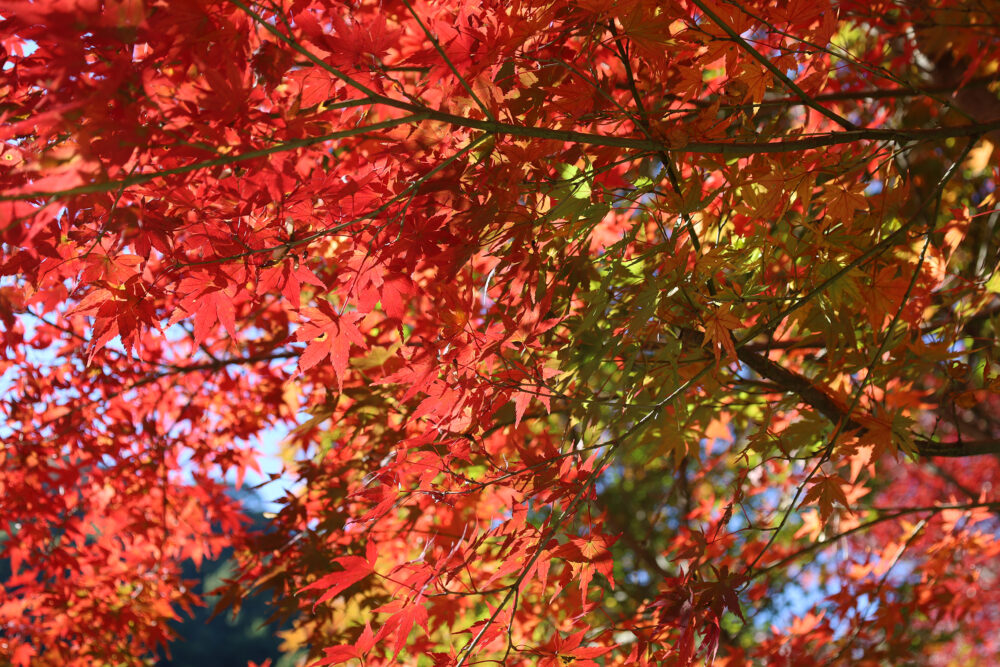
(597, 333)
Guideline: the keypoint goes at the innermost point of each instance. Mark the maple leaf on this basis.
(559, 651)
(404, 615)
(289, 277)
(270, 62)
(355, 569)
(336, 655)
(885, 295)
(210, 304)
(719, 325)
(329, 335)
(842, 203)
(22, 654)
(827, 491)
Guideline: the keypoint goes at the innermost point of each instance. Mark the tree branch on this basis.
(798, 385)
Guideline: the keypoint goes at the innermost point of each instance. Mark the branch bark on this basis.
(798, 385)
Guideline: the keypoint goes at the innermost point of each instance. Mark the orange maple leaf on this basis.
(719, 326)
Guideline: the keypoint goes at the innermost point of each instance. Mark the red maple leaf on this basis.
(329, 335)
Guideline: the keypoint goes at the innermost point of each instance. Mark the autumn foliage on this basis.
(597, 333)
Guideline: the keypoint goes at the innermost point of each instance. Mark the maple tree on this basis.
(603, 333)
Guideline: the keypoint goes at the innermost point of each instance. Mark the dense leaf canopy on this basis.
(595, 332)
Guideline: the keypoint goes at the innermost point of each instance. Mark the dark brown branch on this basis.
(798, 385)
